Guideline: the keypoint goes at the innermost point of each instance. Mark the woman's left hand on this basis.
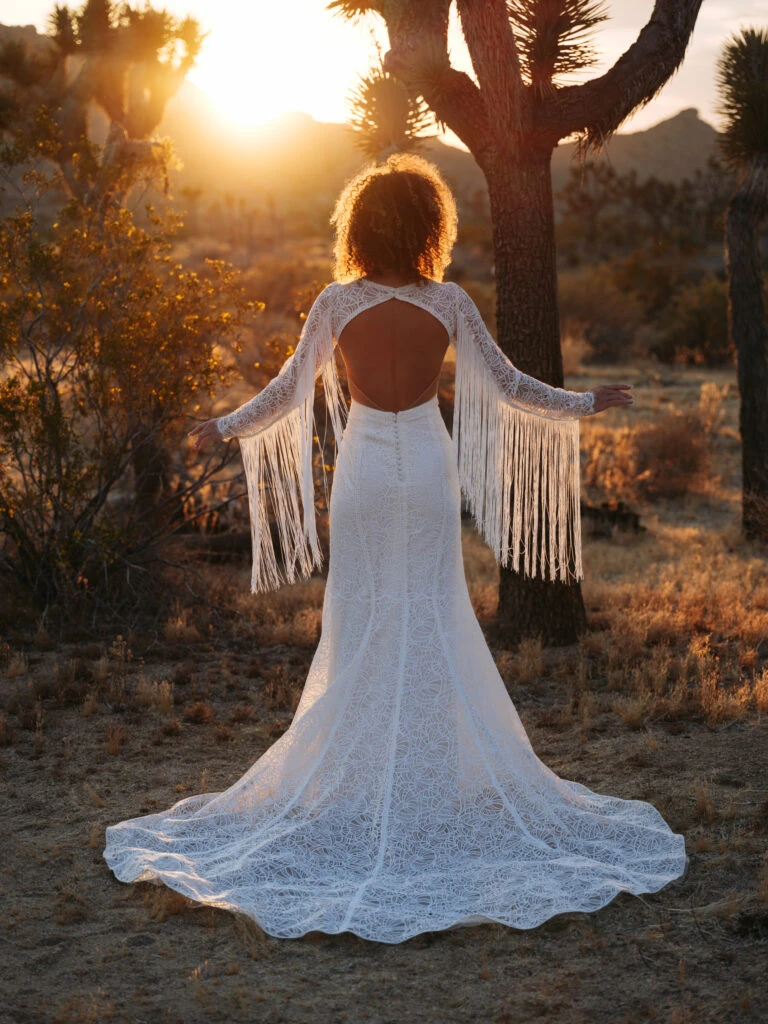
(609, 395)
(203, 433)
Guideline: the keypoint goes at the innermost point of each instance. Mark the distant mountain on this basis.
(291, 160)
(295, 161)
(670, 150)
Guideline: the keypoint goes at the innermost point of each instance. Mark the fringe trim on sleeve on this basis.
(519, 472)
(278, 470)
(275, 462)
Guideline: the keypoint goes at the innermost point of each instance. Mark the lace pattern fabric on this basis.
(405, 795)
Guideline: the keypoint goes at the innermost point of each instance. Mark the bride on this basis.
(405, 796)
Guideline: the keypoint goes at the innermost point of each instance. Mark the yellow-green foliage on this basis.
(105, 344)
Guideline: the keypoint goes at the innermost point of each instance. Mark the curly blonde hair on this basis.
(398, 216)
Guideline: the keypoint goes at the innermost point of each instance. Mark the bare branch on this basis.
(598, 107)
(491, 43)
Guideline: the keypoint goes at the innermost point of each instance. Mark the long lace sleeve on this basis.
(276, 430)
(516, 443)
(517, 387)
(285, 391)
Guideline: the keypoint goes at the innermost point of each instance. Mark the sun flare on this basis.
(257, 67)
(240, 99)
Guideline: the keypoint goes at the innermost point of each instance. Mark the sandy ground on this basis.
(90, 736)
(80, 946)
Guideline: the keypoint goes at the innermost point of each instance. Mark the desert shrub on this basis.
(694, 327)
(647, 303)
(106, 347)
(662, 459)
(652, 275)
(592, 306)
(671, 454)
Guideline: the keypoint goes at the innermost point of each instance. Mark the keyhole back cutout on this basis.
(390, 350)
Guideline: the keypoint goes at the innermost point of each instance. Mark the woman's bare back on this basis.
(393, 353)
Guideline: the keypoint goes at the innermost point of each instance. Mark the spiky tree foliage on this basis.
(95, 24)
(742, 80)
(511, 118)
(353, 9)
(61, 23)
(385, 116)
(554, 38)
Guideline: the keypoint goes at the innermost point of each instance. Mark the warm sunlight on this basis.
(261, 59)
(383, 511)
(250, 80)
(254, 67)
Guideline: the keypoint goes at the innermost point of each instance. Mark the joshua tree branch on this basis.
(599, 106)
(492, 47)
(418, 55)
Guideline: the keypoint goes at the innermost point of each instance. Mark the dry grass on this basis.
(154, 694)
(18, 665)
(114, 738)
(281, 692)
(179, 628)
(162, 903)
(668, 454)
(761, 692)
(200, 713)
(704, 808)
(90, 704)
(663, 459)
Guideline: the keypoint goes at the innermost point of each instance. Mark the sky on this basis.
(264, 57)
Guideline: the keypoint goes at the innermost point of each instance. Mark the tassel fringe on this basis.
(519, 472)
(278, 470)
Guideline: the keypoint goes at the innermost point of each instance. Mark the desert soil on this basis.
(96, 732)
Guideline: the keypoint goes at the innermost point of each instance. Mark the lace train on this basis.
(405, 796)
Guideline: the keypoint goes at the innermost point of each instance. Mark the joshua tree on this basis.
(511, 120)
(742, 75)
(127, 61)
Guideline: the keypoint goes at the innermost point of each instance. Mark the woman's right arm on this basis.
(283, 392)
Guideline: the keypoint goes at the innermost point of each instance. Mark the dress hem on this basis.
(466, 921)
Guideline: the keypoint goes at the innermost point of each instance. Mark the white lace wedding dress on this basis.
(405, 796)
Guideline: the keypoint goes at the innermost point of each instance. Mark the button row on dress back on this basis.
(397, 451)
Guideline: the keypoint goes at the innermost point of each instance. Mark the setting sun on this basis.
(259, 60)
(255, 66)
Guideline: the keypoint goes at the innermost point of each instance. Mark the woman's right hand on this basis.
(205, 433)
(607, 395)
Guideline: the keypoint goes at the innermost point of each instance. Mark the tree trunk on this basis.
(749, 332)
(511, 131)
(520, 190)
